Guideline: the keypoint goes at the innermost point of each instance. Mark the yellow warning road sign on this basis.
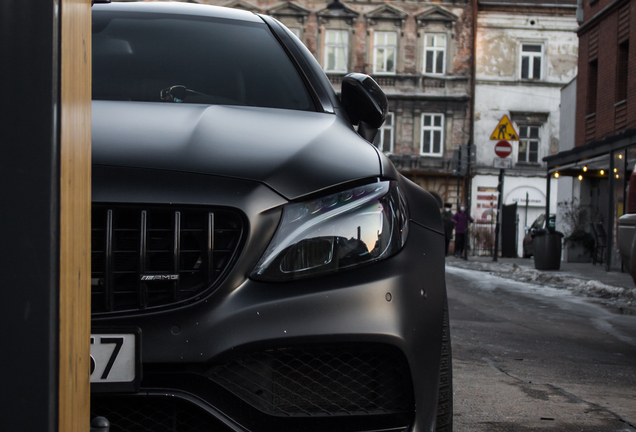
(504, 131)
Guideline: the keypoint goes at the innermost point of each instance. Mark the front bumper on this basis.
(393, 306)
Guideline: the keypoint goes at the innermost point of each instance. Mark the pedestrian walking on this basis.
(461, 220)
(449, 225)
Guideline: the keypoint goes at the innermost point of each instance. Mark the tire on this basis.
(444, 421)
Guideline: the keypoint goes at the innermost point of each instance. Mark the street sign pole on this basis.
(467, 188)
(504, 132)
(500, 189)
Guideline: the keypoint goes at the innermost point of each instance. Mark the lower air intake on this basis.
(334, 381)
(153, 414)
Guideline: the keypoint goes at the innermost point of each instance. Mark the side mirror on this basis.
(365, 103)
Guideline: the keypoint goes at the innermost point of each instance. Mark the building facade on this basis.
(596, 171)
(526, 51)
(419, 51)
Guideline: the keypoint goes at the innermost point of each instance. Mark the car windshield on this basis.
(538, 223)
(177, 58)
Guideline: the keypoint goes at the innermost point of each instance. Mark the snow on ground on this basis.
(590, 288)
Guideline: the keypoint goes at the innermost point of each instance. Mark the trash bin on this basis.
(546, 247)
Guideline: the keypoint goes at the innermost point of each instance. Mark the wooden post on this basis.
(45, 218)
(75, 215)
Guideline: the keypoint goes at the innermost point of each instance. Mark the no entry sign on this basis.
(503, 149)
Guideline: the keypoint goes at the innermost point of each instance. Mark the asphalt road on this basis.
(532, 358)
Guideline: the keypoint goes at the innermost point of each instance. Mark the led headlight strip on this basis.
(336, 232)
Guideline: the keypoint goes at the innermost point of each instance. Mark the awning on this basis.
(592, 151)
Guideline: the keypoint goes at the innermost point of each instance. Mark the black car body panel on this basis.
(216, 356)
(261, 144)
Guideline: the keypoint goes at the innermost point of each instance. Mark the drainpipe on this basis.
(471, 143)
(579, 12)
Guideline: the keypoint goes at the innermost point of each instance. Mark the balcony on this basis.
(417, 164)
(419, 86)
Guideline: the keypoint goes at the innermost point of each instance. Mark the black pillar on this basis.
(29, 193)
(547, 199)
(610, 213)
(500, 186)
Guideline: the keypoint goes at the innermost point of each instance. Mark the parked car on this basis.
(538, 227)
(626, 235)
(257, 264)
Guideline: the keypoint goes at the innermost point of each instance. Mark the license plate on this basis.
(115, 360)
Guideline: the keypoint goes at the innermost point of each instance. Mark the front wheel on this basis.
(444, 421)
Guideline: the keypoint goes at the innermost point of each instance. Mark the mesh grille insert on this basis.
(334, 381)
(154, 414)
(153, 256)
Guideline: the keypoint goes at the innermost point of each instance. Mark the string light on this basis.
(585, 168)
(580, 177)
(615, 169)
(602, 172)
(620, 156)
(556, 174)
(617, 176)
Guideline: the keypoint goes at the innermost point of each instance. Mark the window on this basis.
(531, 55)
(622, 63)
(384, 138)
(384, 52)
(336, 50)
(529, 144)
(432, 134)
(592, 83)
(434, 54)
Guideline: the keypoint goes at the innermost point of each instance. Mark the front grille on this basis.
(333, 381)
(144, 258)
(154, 414)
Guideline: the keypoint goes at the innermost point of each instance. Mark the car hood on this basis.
(293, 152)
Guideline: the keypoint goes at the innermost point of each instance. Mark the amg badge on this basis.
(160, 277)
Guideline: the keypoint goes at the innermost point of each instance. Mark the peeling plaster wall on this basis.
(501, 91)
(493, 101)
(499, 37)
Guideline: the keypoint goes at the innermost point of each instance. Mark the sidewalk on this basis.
(584, 278)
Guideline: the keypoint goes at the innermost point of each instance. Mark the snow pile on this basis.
(591, 288)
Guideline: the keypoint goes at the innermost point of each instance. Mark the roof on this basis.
(530, 3)
(178, 8)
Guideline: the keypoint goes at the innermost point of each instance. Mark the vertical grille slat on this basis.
(175, 254)
(155, 256)
(108, 276)
(141, 295)
(210, 266)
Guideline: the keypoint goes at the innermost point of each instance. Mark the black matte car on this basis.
(257, 264)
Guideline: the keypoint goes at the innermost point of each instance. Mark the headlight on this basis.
(343, 230)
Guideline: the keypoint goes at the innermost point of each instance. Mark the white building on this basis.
(526, 52)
